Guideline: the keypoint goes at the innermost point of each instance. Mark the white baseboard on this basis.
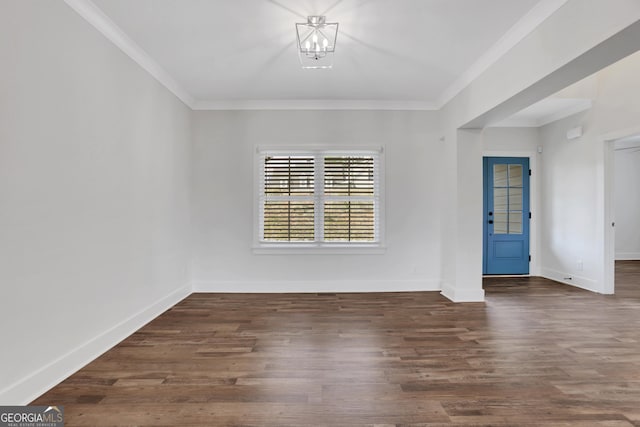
(462, 295)
(576, 281)
(34, 385)
(285, 286)
(627, 256)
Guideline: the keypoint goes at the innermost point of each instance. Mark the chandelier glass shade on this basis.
(316, 42)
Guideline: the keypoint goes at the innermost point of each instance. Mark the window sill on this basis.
(318, 249)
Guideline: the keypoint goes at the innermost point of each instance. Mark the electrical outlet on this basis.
(579, 265)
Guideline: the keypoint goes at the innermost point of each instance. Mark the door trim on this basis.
(534, 182)
(606, 208)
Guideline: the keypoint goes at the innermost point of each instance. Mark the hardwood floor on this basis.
(537, 353)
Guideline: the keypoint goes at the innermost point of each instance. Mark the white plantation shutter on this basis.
(325, 198)
(288, 198)
(350, 184)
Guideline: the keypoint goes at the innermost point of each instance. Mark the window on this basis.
(319, 199)
(507, 199)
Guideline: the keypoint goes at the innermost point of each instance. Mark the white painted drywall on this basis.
(569, 204)
(223, 193)
(572, 178)
(468, 210)
(627, 203)
(94, 162)
(510, 141)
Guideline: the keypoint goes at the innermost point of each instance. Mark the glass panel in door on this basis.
(507, 199)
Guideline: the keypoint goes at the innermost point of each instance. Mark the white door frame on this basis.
(534, 238)
(606, 191)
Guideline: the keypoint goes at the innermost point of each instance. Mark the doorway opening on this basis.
(626, 198)
(621, 203)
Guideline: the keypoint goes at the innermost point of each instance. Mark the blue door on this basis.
(506, 215)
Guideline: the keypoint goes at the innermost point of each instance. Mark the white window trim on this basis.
(310, 248)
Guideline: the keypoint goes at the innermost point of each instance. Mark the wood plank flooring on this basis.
(537, 353)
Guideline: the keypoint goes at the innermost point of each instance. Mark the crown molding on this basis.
(92, 14)
(525, 26)
(314, 104)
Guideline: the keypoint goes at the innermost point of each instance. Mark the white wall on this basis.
(572, 183)
(569, 204)
(223, 222)
(510, 141)
(627, 203)
(94, 157)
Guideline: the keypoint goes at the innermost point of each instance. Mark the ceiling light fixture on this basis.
(316, 42)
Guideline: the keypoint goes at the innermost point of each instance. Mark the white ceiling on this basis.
(546, 111)
(241, 54)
